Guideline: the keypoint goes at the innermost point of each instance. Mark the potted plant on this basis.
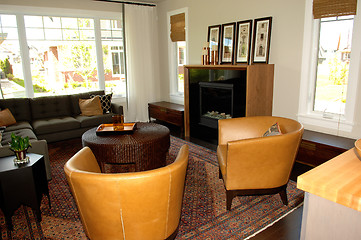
(19, 146)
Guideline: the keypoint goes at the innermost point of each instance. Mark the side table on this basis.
(22, 184)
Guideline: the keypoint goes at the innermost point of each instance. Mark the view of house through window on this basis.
(11, 72)
(181, 58)
(62, 52)
(333, 64)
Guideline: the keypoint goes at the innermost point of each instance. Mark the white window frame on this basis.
(175, 96)
(328, 123)
(21, 11)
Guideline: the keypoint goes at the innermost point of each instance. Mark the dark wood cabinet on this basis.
(317, 148)
(168, 112)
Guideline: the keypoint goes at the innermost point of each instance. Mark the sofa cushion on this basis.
(106, 102)
(92, 121)
(90, 107)
(6, 118)
(53, 125)
(74, 100)
(18, 125)
(50, 107)
(6, 136)
(19, 107)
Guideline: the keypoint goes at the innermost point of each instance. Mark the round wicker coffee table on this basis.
(143, 149)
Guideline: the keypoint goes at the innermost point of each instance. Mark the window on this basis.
(329, 72)
(333, 60)
(11, 75)
(62, 54)
(177, 52)
(113, 55)
(181, 60)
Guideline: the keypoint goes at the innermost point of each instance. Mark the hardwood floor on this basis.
(289, 227)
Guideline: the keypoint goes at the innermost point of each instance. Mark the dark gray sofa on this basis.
(50, 119)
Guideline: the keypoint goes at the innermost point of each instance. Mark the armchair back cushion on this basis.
(139, 205)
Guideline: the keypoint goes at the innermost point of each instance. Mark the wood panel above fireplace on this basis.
(214, 92)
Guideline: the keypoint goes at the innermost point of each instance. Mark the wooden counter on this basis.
(332, 204)
(338, 180)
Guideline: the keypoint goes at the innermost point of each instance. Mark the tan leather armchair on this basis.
(251, 164)
(138, 205)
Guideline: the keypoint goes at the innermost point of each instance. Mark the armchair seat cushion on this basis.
(51, 125)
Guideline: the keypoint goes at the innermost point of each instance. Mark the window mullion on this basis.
(99, 53)
(25, 56)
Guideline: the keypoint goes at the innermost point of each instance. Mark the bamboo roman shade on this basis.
(177, 29)
(333, 8)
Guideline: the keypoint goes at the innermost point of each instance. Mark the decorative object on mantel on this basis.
(243, 42)
(19, 146)
(205, 54)
(261, 40)
(228, 35)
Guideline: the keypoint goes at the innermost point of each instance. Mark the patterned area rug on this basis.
(204, 214)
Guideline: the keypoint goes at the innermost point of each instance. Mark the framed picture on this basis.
(214, 34)
(228, 34)
(261, 40)
(243, 42)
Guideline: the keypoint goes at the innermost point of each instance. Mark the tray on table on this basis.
(110, 128)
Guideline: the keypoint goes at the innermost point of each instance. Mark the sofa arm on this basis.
(117, 108)
(38, 147)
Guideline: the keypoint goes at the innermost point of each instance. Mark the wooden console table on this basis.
(167, 112)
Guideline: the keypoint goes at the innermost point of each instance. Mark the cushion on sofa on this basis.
(90, 107)
(53, 125)
(19, 108)
(106, 102)
(50, 107)
(86, 121)
(6, 118)
(6, 136)
(74, 100)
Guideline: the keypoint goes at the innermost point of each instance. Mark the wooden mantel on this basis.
(259, 92)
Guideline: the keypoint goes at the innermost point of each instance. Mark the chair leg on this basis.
(229, 199)
(283, 195)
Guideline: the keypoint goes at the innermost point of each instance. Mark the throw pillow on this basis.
(90, 107)
(106, 101)
(6, 118)
(273, 131)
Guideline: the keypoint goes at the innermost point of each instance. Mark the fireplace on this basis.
(224, 91)
(216, 101)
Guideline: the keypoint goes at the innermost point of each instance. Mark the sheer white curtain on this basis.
(141, 38)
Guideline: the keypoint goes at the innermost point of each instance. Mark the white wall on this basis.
(286, 39)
